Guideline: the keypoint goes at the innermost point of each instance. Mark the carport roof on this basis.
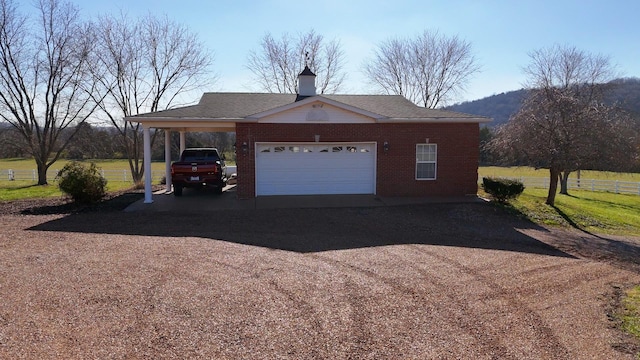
(241, 106)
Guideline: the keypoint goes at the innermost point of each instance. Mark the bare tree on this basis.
(563, 124)
(11, 142)
(44, 87)
(429, 70)
(277, 64)
(143, 66)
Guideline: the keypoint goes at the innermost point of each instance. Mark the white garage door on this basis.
(315, 168)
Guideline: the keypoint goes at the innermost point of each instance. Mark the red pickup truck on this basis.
(198, 167)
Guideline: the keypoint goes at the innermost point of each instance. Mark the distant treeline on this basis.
(105, 142)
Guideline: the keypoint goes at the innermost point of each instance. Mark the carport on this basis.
(178, 120)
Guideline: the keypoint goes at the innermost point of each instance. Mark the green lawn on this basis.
(16, 190)
(524, 171)
(630, 314)
(24, 189)
(597, 212)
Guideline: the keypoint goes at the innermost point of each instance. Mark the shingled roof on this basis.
(240, 106)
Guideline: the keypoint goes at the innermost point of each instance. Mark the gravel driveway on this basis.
(445, 281)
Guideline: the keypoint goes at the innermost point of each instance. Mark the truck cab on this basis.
(198, 167)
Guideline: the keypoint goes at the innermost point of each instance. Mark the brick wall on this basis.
(457, 168)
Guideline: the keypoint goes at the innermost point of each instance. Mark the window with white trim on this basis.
(426, 161)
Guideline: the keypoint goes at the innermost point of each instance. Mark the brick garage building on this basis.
(303, 144)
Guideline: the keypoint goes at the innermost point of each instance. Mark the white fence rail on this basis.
(613, 186)
(111, 175)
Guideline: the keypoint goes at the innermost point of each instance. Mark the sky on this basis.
(502, 33)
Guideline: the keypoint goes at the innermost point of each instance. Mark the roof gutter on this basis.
(456, 120)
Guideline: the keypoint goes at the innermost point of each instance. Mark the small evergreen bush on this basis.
(83, 184)
(502, 190)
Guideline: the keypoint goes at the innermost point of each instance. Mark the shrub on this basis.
(502, 190)
(83, 184)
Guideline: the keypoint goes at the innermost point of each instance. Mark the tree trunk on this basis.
(553, 186)
(137, 171)
(42, 173)
(564, 178)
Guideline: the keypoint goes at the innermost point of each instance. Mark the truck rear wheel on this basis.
(177, 190)
(221, 185)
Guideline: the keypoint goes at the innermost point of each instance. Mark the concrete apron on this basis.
(194, 200)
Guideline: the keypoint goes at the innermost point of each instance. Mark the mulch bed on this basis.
(113, 201)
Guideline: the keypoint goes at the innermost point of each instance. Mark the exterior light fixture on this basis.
(385, 146)
(245, 147)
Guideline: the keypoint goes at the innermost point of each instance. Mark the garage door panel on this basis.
(299, 169)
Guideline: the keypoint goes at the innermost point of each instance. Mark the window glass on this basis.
(336, 149)
(294, 149)
(426, 171)
(352, 149)
(200, 155)
(426, 161)
(278, 149)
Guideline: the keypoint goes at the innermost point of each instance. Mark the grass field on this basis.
(597, 212)
(524, 171)
(106, 164)
(14, 190)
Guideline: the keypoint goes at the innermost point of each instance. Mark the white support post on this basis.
(183, 141)
(146, 136)
(167, 159)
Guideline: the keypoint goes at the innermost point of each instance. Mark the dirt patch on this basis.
(425, 281)
(624, 343)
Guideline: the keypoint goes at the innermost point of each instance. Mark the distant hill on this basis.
(500, 107)
(627, 94)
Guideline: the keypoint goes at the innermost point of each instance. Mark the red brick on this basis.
(457, 168)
